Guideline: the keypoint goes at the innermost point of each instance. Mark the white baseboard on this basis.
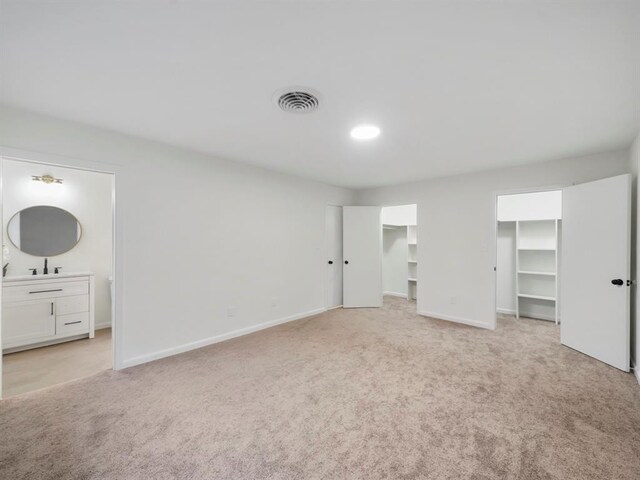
(102, 325)
(395, 294)
(537, 316)
(450, 318)
(216, 339)
(333, 308)
(635, 371)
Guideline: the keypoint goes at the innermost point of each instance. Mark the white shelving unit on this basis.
(412, 258)
(537, 262)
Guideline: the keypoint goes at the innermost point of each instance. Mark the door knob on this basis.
(617, 281)
(330, 262)
(346, 262)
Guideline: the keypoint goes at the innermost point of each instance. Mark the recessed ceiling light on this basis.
(365, 132)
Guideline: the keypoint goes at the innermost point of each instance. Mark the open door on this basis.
(362, 252)
(595, 269)
(334, 256)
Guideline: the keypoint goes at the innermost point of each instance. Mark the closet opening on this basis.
(372, 256)
(57, 285)
(528, 257)
(400, 254)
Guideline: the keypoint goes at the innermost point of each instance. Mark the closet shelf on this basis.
(536, 264)
(536, 297)
(412, 243)
(532, 272)
(412, 261)
(413, 280)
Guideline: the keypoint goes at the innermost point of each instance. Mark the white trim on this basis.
(395, 294)
(538, 316)
(101, 325)
(535, 316)
(46, 343)
(636, 371)
(216, 339)
(334, 308)
(450, 318)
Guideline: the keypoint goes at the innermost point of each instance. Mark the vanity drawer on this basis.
(20, 293)
(74, 304)
(72, 324)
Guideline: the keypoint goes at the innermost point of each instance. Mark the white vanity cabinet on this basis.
(44, 309)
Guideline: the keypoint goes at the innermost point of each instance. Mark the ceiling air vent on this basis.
(298, 100)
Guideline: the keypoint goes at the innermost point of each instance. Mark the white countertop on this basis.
(50, 276)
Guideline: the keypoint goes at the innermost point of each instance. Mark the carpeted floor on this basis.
(354, 394)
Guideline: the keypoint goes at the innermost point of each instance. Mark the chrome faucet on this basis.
(46, 268)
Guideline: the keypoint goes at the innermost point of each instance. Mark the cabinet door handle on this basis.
(71, 323)
(51, 308)
(46, 291)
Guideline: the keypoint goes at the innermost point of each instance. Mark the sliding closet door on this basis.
(362, 234)
(595, 269)
(334, 256)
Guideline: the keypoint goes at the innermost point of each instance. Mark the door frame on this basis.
(494, 238)
(116, 170)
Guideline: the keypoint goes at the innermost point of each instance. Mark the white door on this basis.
(334, 256)
(595, 268)
(362, 235)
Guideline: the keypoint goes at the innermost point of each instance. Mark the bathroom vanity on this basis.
(40, 310)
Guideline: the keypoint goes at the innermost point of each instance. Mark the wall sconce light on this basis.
(48, 179)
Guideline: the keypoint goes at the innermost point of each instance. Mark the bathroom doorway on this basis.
(58, 268)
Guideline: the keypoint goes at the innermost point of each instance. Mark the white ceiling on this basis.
(454, 86)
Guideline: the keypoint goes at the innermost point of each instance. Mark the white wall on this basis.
(400, 215)
(395, 269)
(456, 228)
(88, 196)
(263, 234)
(634, 164)
(197, 237)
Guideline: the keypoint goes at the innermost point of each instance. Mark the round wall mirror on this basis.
(44, 231)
